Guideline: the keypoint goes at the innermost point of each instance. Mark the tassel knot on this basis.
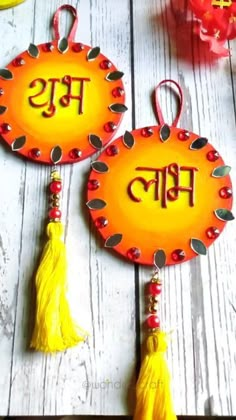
(157, 342)
(55, 230)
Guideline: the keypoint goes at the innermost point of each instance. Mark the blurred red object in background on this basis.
(217, 23)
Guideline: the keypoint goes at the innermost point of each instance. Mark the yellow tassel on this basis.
(54, 328)
(154, 399)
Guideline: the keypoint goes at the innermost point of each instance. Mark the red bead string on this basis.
(154, 288)
(55, 188)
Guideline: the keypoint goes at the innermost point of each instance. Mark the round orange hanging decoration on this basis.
(159, 196)
(60, 102)
(160, 190)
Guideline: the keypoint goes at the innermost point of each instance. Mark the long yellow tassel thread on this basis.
(54, 328)
(153, 391)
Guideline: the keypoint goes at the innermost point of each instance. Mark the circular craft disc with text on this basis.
(160, 195)
(60, 102)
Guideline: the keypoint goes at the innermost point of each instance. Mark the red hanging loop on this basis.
(158, 107)
(55, 22)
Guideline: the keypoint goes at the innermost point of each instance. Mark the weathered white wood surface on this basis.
(149, 41)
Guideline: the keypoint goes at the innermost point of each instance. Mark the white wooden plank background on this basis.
(149, 41)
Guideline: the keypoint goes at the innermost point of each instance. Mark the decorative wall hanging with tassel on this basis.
(46, 116)
(163, 195)
(54, 327)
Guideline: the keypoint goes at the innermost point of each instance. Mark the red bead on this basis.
(78, 47)
(112, 150)
(18, 61)
(225, 192)
(153, 321)
(93, 184)
(55, 187)
(105, 64)
(101, 222)
(5, 128)
(118, 92)
(133, 253)
(1, 91)
(109, 127)
(212, 156)
(178, 255)
(35, 153)
(184, 135)
(54, 213)
(147, 132)
(154, 288)
(48, 47)
(75, 153)
(212, 232)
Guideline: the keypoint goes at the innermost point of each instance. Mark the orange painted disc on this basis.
(60, 102)
(160, 195)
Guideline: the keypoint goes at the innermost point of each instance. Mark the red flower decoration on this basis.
(217, 22)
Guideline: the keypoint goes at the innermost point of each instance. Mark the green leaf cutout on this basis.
(93, 53)
(199, 143)
(224, 214)
(128, 140)
(6, 74)
(18, 143)
(95, 141)
(63, 45)
(114, 75)
(96, 204)
(100, 167)
(221, 171)
(160, 258)
(113, 240)
(165, 132)
(118, 108)
(2, 109)
(33, 51)
(198, 246)
(56, 154)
